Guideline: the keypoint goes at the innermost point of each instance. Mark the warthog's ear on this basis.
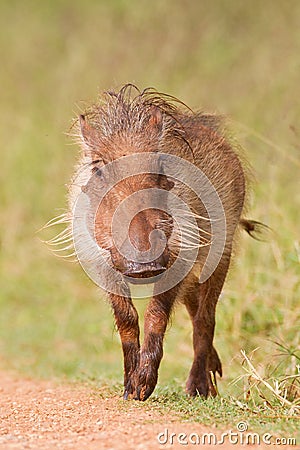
(156, 117)
(88, 133)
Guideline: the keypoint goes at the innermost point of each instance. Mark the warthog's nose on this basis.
(140, 272)
(145, 270)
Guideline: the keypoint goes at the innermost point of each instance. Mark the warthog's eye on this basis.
(165, 183)
(98, 172)
(96, 169)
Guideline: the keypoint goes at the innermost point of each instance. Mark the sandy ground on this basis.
(50, 415)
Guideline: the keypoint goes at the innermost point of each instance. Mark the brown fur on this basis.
(123, 124)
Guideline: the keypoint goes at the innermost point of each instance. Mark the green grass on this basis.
(239, 58)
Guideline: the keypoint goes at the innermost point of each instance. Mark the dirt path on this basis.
(48, 415)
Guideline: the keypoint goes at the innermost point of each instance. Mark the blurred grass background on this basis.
(240, 58)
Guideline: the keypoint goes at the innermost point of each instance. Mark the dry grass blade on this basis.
(254, 375)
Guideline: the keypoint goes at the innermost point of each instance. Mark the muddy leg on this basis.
(127, 322)
(201, 305)
(156, 320)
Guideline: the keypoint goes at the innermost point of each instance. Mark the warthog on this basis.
(161, 192)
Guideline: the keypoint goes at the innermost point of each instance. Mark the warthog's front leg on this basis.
(127, 322)
(156, 319)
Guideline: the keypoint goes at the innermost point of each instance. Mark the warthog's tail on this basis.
(257, 230)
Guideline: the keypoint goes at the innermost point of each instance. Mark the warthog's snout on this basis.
(140, 273)
(144, 270)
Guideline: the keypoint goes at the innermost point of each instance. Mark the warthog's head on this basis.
(129, 188)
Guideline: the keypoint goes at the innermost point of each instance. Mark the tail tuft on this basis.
(256, 230)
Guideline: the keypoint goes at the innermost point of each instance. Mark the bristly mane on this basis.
(127, 112)
(121, 111)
